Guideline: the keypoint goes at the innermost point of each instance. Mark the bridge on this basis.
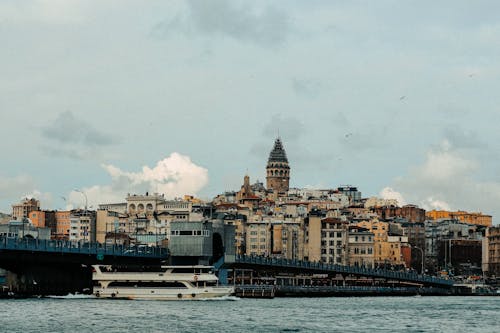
(91, 252)
(60, 267)
(263, 266)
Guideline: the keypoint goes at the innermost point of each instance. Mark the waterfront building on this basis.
(312, 224)
(411, 213)
(24, 208)
(239, 223)
(387, 247)
(415, 231)
(325, 237)
(82, 226)
(444, 231)
(258, 238)
(460, 256)
(44, 218)
(491, 252)
(288, 239)
(360, 245)
(120, 207)
(24, 229)
(145, 219)
(476, 218)
(278, 170)
(62, 224)
(334, 241)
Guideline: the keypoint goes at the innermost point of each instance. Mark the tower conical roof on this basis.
(278, 153)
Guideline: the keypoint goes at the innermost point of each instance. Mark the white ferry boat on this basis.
(170, 283)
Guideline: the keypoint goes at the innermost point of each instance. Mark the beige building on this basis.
(258, 239)
(360, 246)
(24, 208)
(144, 219)
(82, 226)
(326, 239)
(387, 248)
(491, 252)
(287, 239)
(312, 247)
(333, 241)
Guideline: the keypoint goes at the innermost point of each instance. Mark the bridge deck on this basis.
(317, 266)
(70, 247)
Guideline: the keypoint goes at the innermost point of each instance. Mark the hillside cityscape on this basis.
(271, 220)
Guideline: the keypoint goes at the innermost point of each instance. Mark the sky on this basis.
(398, 98)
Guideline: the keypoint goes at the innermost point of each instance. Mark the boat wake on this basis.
(223, 298)
(72, 296)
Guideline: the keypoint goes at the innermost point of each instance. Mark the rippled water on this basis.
(367, 314)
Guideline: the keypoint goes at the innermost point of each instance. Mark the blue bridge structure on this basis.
(265, 267)
(56, 267)
(59, 267)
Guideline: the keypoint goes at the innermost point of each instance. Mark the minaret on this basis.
(278, 170)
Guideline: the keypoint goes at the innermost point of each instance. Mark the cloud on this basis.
(389, 193)
(73, 137)
(460, 138)
(290, 128)
(447, 179)
(14, 187)
(238, 20)
(307, 87)
(20, 187)
(431, 204)
(43, 11)
(173, 176)
(67, 128)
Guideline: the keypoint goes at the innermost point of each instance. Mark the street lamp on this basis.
(86, 201)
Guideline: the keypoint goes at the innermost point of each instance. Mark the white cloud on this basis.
(173, 176)
(446, 180)
(239, 20)
(430, 204)
(389, 193)
(43, 11)
(14, 187)
(46, 199)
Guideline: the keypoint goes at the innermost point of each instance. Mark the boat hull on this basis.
(163, 294)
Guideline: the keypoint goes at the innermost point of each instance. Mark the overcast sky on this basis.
(399, 98)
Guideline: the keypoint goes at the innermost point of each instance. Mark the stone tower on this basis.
(278, 170)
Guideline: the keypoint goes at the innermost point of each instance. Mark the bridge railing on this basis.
(31, 244)
(383, 273)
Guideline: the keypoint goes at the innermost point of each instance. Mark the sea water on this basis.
(332, 314)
